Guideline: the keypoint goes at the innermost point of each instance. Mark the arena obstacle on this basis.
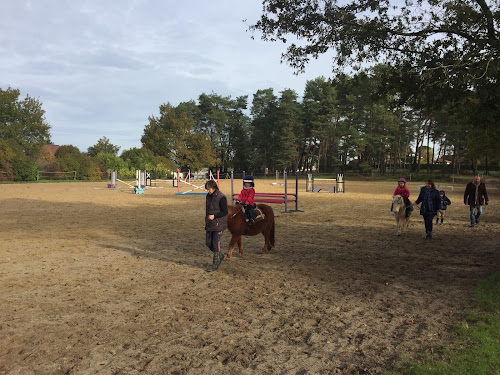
(275, 198)
(114, 179)
(142, 179)
(194, 187)
(277, 183)
(333, 185)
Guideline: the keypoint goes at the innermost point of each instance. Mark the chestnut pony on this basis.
(237, 225)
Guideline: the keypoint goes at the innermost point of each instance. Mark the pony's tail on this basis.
(271, 236)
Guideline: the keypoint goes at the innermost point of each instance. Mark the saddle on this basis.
(259, 214)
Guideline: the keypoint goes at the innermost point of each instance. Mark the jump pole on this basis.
(286, 191)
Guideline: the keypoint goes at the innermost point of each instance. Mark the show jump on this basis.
(275, 198)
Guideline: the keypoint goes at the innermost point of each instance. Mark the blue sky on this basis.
(101, 67)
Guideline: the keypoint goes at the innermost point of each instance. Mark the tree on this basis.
(109, 161)
(217, 118)
(172, 135)
(320, 122)
(137, 158)
(239, 135)
(103, 145)
(69, 158)
(457, 38)
(263, 135)
(23, 121)
(289, 132)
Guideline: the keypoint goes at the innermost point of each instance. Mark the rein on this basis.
(236, 213)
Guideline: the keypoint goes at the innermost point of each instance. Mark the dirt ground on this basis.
(99, 281)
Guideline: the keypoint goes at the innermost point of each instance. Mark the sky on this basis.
(100, 68)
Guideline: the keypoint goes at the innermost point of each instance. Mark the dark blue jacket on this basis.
(431, 201)
(445, 201)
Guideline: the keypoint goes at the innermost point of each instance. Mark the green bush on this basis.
(24, 169)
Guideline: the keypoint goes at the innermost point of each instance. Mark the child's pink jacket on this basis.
(246, 196)
(404, 192)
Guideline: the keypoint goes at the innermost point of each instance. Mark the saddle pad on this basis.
(259, 215)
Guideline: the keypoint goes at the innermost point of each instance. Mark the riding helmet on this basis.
(402, 180)
(248, 179)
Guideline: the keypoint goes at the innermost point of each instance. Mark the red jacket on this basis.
(246, 196)
(404, 192)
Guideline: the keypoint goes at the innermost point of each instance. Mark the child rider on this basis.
(403, 191)
(246, 198)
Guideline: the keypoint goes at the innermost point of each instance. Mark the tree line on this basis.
(360, 123)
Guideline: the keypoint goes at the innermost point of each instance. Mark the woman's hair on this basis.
(211, 185)
(430, 182)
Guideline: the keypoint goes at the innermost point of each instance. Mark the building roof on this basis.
(50, 149)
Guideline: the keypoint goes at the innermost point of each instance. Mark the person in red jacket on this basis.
(403, 191)
(246, 199)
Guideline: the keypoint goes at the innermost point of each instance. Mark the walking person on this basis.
(475, 196)
(215, 221)
(445, 202)
(430, 204)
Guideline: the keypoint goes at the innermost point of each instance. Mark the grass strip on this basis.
(475, 348)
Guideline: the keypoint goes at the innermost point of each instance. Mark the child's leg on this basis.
(442, 216)
(250, 214)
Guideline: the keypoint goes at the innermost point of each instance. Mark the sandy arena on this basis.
(99, 281)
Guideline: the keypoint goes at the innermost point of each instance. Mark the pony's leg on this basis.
(407, 222)
(234, 240)
(267, 234)
(240, 247)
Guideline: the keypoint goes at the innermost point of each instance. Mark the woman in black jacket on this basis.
(430, 204)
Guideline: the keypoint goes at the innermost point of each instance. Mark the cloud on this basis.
(100, 68)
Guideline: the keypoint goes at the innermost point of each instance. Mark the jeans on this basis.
(473, 215)
(428, 222)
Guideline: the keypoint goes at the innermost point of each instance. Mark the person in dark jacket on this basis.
(475, 196)
(215, 221)
(430, 204)
(445, 202)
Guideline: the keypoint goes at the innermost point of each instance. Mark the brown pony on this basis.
(237, 225)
